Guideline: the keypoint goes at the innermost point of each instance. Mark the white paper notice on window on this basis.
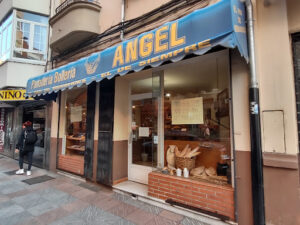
(144, 131)
(76, 114)
(187, 111)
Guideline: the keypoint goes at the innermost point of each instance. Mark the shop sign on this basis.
(2, 129)
(222, 23)
(13, 95)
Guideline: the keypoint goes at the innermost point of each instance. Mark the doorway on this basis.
(142, 152)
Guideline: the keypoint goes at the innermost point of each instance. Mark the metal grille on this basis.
(66, 3)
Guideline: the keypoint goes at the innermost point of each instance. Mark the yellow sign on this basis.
(13, 95)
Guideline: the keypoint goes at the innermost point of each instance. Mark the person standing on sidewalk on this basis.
(25, 146)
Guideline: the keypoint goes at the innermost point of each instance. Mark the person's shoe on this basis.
(28, 173)
(20, 172)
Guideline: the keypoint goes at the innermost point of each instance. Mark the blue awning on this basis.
(221, 24)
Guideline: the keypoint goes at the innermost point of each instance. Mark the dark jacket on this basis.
(21, 143)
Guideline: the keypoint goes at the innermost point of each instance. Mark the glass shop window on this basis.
(197, 119)
(75, 128)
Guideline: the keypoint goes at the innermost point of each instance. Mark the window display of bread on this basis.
(187, 152)
(210, 171)
(197, 171)
(171, 155)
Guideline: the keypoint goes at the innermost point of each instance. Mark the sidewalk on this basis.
(63, 200)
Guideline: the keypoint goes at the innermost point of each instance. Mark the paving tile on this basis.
(89, 186)
(6, 204)
(190, 221)
(107, 203)
(69, 220)
(144, 206)
(64, 200)
(16, 218)
(123, 222)
(138, 204)
(10, 211)
(94, 198)
(158, 220)
(18, 193)
(52, 194)
(53, 215)
(82, 193)
(42, 208)
(68, 188)
(140, 217)
(171, 216)
(4, 198)
(75, 206)
(122, 210)
(29, 200)
(93, 215)
(33, 221)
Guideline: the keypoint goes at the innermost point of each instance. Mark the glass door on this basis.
(142, 152)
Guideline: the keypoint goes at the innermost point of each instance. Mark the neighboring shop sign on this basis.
(13, 95)
(2, 129)
(221, 24)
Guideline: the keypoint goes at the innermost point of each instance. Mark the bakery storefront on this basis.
(156, 110)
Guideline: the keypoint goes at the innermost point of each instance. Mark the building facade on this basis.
(23, 54)
(137, 98)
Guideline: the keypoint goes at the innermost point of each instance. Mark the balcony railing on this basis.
(66, 3)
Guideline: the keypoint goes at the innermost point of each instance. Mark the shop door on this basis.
(7, 134)
(142, 154)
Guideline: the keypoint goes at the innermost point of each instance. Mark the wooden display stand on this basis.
(75, 144)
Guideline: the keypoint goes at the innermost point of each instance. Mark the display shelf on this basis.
(76, 138)
(82, 149)
(75, 145)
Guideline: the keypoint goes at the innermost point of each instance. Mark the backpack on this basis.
(30, 137)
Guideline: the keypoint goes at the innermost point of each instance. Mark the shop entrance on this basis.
(142, 151)
(37, 115)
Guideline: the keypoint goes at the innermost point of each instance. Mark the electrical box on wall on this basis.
(273, 131)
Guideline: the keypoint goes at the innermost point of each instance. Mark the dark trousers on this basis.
(29, 158)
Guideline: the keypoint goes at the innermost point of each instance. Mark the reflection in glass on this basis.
(5, 38)
(32, 17)
(22, 35)
(143, 151)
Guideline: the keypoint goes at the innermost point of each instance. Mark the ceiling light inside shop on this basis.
(168, 95)
(133, 106)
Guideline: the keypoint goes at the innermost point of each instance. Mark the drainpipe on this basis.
(255, 128)
(122, 19)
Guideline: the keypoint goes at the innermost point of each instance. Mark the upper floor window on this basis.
(5, 38)
(31, 36)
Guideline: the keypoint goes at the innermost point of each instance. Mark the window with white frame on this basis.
(31, 36)
(5, 38)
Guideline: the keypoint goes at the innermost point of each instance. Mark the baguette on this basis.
(192, 152)
(177, 152)
(187, 152)
(183, 152)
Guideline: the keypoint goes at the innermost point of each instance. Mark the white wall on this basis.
(5, 7)
(35, 6)
(240, 99)
(3, 72)
(17, 74)
(275, 67)
(121, 114)
(38, 6)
